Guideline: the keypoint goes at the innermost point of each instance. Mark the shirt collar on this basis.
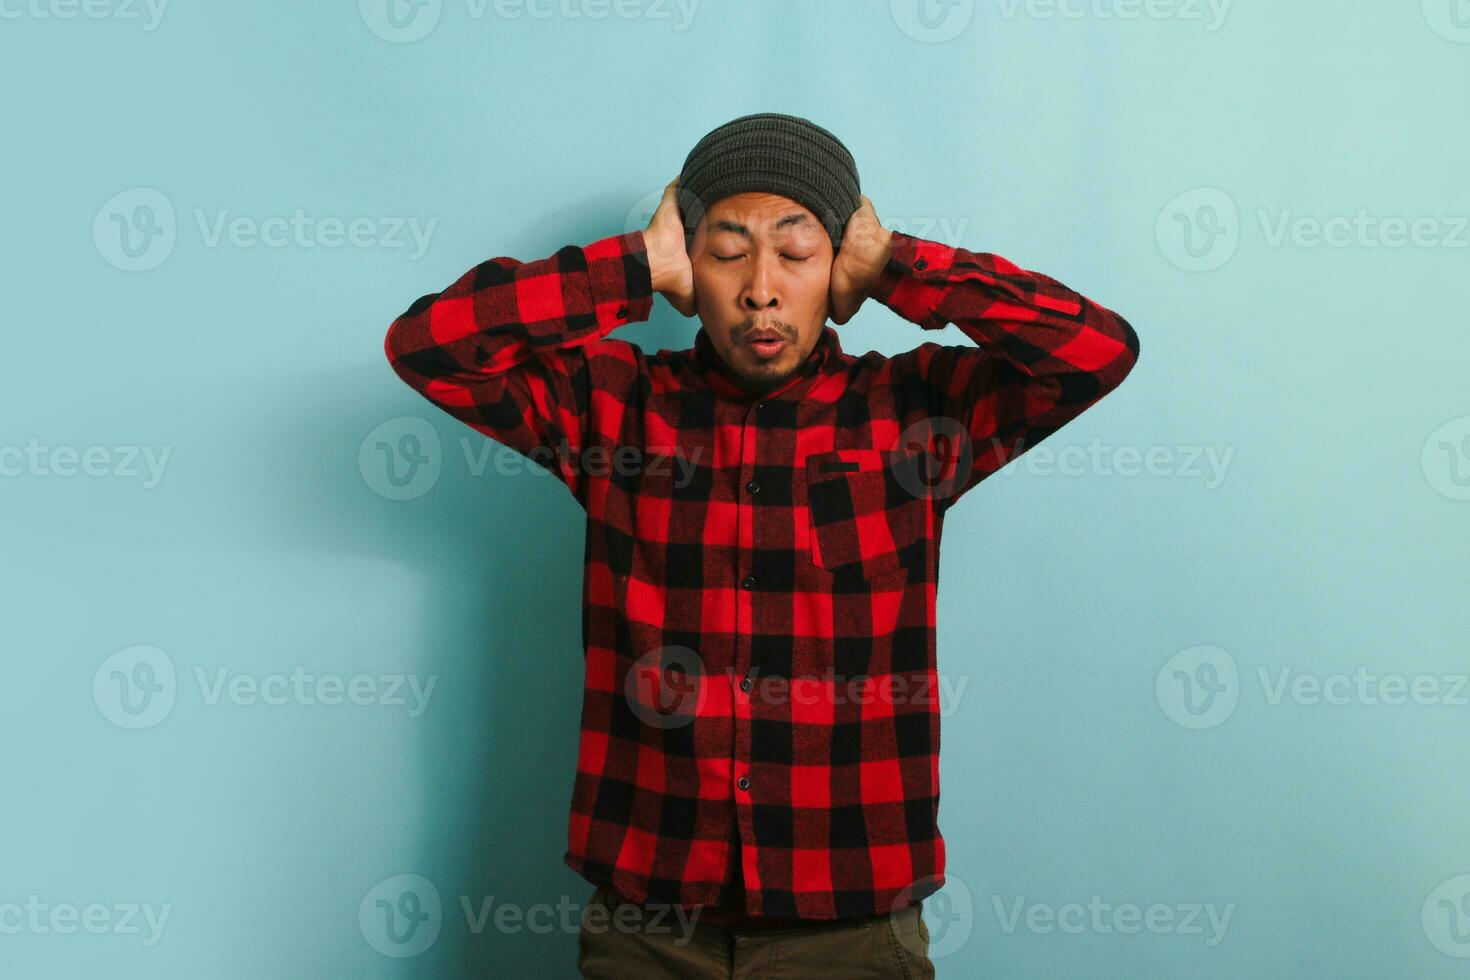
(708, 364)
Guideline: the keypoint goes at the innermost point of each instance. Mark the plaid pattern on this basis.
(761, 573)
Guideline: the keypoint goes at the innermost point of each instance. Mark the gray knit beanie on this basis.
(778, 154)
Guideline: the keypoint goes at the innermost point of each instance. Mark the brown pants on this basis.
(622, 940)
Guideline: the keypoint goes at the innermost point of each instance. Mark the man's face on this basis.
(762, 265)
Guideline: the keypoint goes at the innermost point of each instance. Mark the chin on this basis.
(768, 376)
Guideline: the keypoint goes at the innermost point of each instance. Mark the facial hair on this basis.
(765, 381)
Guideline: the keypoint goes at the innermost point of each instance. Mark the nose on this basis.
(761, 292)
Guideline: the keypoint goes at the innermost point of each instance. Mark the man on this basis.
(760, 723)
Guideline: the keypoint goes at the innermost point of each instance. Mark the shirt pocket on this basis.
(863, 520)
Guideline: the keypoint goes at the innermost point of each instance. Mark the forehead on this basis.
(757, 212)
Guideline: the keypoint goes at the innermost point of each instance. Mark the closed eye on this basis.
(790, 258)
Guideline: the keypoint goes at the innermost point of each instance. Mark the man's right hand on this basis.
(668, 260)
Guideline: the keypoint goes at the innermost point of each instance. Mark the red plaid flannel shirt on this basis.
(760, 717)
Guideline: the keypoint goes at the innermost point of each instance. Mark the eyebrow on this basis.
(794, 218)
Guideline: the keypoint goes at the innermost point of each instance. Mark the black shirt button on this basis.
(746, 684)
(748, 582)
(743, 783)
(753, 487)
(622, 311)
(920, 263)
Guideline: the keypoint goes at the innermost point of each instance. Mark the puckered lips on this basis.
(766, 342)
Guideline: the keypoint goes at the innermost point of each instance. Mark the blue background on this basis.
(1145, 161)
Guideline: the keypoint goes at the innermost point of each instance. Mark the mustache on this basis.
(749, 326)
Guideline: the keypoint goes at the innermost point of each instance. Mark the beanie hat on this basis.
(778, 154)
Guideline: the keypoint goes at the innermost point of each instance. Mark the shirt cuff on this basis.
(902, 285)
(619, 280)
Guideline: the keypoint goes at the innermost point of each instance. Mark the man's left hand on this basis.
(866, 248)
